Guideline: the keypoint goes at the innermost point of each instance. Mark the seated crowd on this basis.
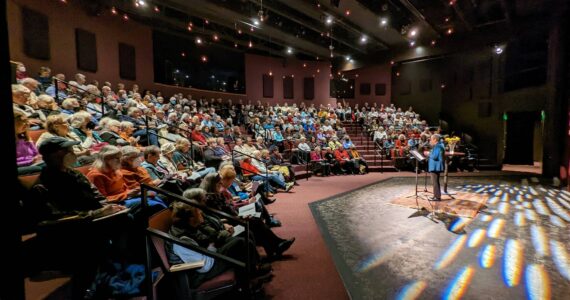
(223, 155)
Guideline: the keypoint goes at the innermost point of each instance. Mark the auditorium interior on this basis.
(286, 149)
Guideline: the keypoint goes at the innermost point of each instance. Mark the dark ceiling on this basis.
(357, 27)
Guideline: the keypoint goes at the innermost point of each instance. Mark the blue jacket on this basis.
(436, 158)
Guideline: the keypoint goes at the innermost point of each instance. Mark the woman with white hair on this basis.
(107, 177)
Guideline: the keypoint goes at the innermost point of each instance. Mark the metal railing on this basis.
(153, 232)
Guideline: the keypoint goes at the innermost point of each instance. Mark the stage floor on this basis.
(516, 247)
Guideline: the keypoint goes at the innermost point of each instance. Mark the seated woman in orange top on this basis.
(109, 180)
(133, 173)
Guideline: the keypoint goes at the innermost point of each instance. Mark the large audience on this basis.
(222, 154)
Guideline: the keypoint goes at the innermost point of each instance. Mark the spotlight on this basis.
(433, 42)
(125, 17)
(187, 76)
(256, 22)
(498, 49)
(183, 54)
(239, 31)
(392, 62)
(363, 39)
(347, 12)
(289, 50)
(449, 31)
(384, 21)
(198, 40)
(398, 74)
(215, 37)
(156, 9)
(189, 28)
(318, 70)
(347, 58)
(414, 32)
(304, 65)
(250, 45)
(412, 43)
(443, 85)
(329, 20)
(113, 10)
(204, 58)
(270, 73)
(235, 45)
(141, 3)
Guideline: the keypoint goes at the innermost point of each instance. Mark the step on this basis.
(53, 288)
(377, 169)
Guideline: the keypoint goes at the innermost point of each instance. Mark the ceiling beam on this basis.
(228, 18)
(310, 26)
(420, 17)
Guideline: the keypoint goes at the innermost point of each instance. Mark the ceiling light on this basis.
(412, 43)
(347, 12)
(498, 49)
(347, 58)
(250, 44)
(198, 41)
(113, 10)
(216, 38)
(235, 45)
(329, 20)
(156, 9)
(363, 39)
(256, 22)
(204, 58)
(125, 17)
(289, 50)
(141, 2)
(270, 73)
(449, 31)
(414, 32)
(433, 42)
(304, 65)
(384, 21)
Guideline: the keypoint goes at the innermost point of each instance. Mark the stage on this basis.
(503, 237)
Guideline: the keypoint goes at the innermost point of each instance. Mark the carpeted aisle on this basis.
(309, 271)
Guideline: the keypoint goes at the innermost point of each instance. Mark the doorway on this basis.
(523, 143)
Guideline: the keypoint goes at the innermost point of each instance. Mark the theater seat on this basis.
(212, 288)
(35, 134)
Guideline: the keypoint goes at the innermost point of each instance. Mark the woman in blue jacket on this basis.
(436, 164)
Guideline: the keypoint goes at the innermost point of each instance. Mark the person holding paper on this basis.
(191, 224)
(219, 198)
(436, 165)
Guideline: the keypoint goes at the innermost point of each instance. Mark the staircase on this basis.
(366, 148)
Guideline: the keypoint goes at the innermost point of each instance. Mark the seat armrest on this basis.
(187, 266)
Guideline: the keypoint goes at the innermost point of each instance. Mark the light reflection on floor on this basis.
(542, 213)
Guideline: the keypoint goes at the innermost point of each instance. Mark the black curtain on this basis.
(520, 133)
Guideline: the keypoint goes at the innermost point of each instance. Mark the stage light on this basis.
(561, 258)
(204, 58)
(412, 290)
(384, 21)
(289, 50)
(539, 240)
(452, 251)
(513, 262)
(125, 17)
(498, 49)
(487, 256)
(199, 41)
(215, 37)
(495, 228)
(363, 39)
(329, 20)
(537, 283)
(458, 287)
(113, 10)
(476, 238)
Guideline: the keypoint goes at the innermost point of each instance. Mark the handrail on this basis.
(160, 234)
(56, 80)
(266, 168)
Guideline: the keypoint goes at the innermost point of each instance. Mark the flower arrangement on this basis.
(452, 141)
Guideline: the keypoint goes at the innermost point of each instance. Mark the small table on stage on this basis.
(448, 157)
